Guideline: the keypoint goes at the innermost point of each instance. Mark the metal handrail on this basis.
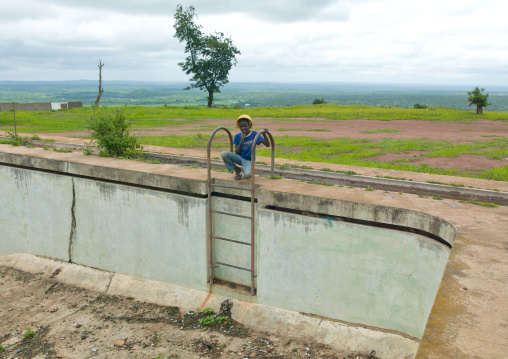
(209, 201)
(253, 202)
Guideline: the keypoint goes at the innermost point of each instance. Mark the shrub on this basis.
(111, 132)
(420, 105)
(318, 101)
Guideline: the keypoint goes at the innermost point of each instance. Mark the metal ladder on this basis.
(211, 237)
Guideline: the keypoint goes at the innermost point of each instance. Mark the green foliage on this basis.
(208, 311)
(484, 204)
(111, 132)
(478, 98)
(1, 348)
(17, 140)
(383, 130)
(88, 150)
(29, 333)
(318, 101)
(420, 105)
(211, 57)
(63, 150)
(208, 320)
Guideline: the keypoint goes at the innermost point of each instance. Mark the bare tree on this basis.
(101, 90)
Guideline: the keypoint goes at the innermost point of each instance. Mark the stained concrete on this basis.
(469, 315)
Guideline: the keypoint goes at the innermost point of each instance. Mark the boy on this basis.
(243, 147)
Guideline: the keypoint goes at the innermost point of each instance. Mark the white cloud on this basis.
(280, 40)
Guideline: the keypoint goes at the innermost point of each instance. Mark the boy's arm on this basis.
(239, 146)
(265, 141)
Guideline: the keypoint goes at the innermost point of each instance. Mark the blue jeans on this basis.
(232, 160)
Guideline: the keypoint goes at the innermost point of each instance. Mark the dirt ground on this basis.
(43, 318)
(458, 133)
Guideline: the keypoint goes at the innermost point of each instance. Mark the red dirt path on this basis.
(460, 133)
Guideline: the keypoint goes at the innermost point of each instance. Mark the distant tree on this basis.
(318, 101)
(211, 57)
(101, 90)
(478, 98)
(420, 105)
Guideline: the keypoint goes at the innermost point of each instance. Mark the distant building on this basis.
(39, 106)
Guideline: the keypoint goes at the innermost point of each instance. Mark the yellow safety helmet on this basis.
(245, 117)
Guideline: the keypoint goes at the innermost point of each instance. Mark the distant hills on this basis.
(257, 94)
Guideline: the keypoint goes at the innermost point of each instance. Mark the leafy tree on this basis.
(211, 57)
(318, 101)
(478, 98)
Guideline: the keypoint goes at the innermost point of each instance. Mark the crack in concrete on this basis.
(111, 276)
(73, 223)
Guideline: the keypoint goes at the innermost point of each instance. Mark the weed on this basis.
(401, 192)
(45, 147)
(111, 133)
(221, 319)
(438, 198)
(261, 163)
(156, 162)
(346, 172)
(446, 184)
(88, 150)
(326, 169)
(64, 150)
(395, 178)
(49, 140)
(208, 320)
(1, 348)
(282, 166)
(483, 204)
(274, 177)
(422, 196)
(384, 130)
(208, 311)
(323, 183)
(306, 168)
(369, 189)
(29, 333)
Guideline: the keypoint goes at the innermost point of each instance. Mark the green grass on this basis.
(384, 130)
(344, 151)
(75, 119)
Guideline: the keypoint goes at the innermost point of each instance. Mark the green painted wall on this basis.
(355, 273)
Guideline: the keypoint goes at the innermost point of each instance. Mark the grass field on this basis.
(340, 150)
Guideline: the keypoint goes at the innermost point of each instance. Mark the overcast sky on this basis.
(390, 41)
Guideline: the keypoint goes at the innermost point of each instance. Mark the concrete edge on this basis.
(259, 317)
(168, 181)
(364, 180)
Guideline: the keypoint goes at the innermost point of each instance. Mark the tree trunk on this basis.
(479, 110)
(210, 98)
(101, 90)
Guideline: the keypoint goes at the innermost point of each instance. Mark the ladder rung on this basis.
(232, 240)
(232, 266)
(221, 185)
(232, 214)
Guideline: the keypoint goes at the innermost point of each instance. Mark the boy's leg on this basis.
(232, 161)
(246, 168)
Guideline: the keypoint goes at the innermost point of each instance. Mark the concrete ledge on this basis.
(256, 316)
(80, 276)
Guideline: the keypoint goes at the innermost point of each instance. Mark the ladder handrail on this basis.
(253, 200)
(209, 200)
